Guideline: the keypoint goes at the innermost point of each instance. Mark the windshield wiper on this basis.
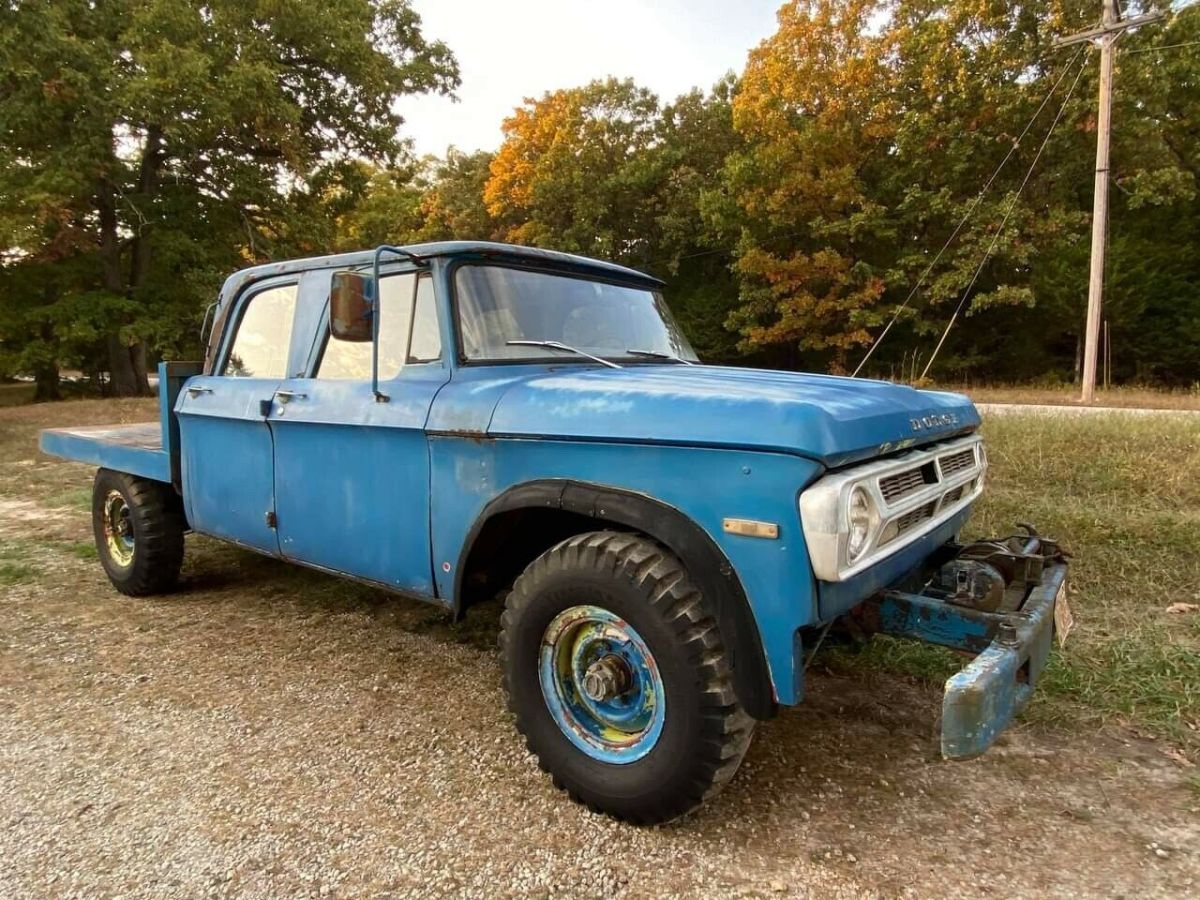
(556, 345)
(656, 354)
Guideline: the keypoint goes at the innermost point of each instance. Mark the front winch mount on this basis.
(997, 599)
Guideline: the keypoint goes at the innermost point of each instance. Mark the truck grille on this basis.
(893, 487)
(915, 495)
(956, 462)
(915, 517)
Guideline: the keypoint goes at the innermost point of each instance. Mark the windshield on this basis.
(497, 305)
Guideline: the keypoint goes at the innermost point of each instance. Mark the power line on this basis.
(1163, 47)
(1175, 12)
(1007, 214)
(970, 211)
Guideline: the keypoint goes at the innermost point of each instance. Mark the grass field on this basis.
(1122, 492)
(16, 394)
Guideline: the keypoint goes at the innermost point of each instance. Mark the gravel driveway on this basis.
(268, 731)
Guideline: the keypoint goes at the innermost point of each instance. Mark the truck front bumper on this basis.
(1011, 642)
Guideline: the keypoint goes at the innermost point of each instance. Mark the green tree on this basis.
(437, 199)
(452, 207)
(576, 168)
(1152, 300)
(605, 171)
(974, 74)
(150, 145)
(870, 129)
(695, 137)
(378, 206)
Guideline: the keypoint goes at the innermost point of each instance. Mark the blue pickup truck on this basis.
(461, 422)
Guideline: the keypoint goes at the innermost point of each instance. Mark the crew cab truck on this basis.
(457, 422)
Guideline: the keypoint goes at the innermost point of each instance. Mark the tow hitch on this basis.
(1001, 600)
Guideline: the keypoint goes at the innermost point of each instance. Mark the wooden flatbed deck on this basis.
(136, 449)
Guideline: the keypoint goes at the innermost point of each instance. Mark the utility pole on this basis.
(1112, 24)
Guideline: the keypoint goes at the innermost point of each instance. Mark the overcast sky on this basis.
(512, 49)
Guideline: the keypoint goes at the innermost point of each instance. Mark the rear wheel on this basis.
(138, 525)
(619, 680)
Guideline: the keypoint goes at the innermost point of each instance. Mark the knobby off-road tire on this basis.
(631, 587)
(138, 525)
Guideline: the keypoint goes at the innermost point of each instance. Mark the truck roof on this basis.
(481, 250)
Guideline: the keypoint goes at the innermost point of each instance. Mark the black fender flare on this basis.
(706, 564)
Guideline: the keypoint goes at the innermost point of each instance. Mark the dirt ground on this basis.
(268, 731)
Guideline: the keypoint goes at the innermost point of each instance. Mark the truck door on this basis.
(352, 472)
(226, 459)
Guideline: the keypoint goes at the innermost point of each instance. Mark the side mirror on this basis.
(351, 304)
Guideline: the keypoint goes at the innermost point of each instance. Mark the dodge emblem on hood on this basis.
(933, 420)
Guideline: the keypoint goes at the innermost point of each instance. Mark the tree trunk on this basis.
(137, 355)
(46, 387)
(126, 364)
(127, 368)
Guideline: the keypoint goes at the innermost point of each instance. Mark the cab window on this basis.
(426, 343)
(408, 332)
(264, 334)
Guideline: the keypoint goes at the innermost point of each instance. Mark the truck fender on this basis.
(706, 563)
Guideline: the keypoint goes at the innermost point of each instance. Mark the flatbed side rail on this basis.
(171, 378)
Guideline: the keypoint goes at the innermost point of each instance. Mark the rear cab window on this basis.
(264, 335)
(408, 333)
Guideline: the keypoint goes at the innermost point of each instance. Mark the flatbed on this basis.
(136, 449)
(145, 449)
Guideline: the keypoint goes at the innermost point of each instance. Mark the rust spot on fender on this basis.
(475, 437)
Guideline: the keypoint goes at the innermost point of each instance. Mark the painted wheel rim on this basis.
(602, 685)
(118, 529)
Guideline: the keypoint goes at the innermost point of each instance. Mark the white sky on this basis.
(508, 50)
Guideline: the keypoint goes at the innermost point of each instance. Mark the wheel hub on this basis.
(118, 529)
(606, 678)
(601, 684)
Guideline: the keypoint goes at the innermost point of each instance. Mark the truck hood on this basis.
(827, 418)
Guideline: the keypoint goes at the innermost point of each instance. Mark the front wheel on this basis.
(138, 525)
(618, 678)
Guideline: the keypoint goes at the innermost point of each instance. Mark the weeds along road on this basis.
(268, 731)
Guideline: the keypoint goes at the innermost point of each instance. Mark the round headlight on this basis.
(858, 518)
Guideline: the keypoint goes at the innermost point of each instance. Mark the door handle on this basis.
(285, 396)
(199, 390)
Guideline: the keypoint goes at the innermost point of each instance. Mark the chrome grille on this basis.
(915, 517)
(901, 484)
(956, 462)
(913, 493)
